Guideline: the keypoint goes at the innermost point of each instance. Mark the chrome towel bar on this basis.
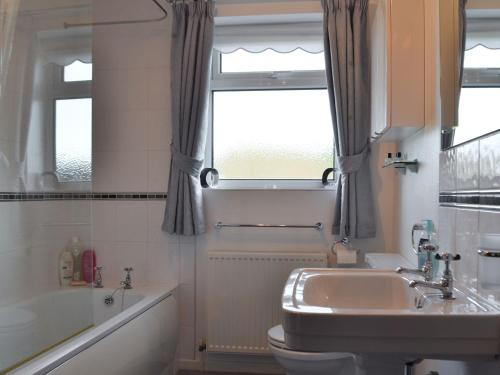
(489, 253)
(317, 226)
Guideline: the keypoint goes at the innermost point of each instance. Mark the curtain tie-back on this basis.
(353, 163)
(186, 163)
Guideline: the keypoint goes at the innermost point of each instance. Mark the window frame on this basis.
(62, 90)
(261, 81)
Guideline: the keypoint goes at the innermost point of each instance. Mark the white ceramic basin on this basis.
(375, 312)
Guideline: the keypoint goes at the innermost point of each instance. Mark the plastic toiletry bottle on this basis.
(76, 248)
(432, 236)
(66, 267)
(428, 235)
(423, 238)
(88, 266)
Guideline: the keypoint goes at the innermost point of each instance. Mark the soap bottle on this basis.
(88, 266)
(66, 267)
(76, 248)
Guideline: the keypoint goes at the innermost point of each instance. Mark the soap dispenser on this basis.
(76, 248)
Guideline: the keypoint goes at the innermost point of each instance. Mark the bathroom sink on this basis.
(376, 312)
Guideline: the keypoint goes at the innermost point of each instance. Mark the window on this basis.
(480, 95)
(72, 106)
(77, 72)
(73, 139)
(270, 118)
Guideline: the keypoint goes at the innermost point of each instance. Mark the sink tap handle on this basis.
(447, 258)
(429, 247)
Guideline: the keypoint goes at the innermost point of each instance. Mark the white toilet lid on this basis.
(15, 318)
(276, 336)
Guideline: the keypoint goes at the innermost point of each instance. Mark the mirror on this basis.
(470, 69)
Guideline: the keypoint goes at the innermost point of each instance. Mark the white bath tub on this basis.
(136, 335)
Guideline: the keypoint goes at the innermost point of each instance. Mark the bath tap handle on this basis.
(127, 283)
(98, 277)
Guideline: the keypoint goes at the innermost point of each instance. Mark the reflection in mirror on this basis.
(478, 108)
(45, 159)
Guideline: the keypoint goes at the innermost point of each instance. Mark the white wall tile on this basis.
(467, 243)
(159, 130)
(156, 235)
(467, 157)
(490, 162)
(132, 221)
(120, 130)
(106, 257)
(447, 170)
(163, 264)
(132, 254)
(158, 88)
(158, 170)
(103, 221)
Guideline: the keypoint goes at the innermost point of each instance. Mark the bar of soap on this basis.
(78, 283)
(346, 255)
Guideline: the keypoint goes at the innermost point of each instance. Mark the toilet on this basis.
(308, 363)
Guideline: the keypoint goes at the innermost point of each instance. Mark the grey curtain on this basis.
(348, 78)
(192, 39)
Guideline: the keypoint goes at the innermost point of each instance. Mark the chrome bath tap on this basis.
(445, 285)
(127, 283)
(98, 277)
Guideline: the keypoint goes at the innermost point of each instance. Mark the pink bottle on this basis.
(88, 266)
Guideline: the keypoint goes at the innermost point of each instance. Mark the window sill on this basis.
(305, 185)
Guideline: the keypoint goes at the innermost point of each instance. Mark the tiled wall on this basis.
(470, 173)
(32, 233)
(131, 136)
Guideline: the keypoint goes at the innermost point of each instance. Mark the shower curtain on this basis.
(8, 16)
(348, 79)
(192, 41)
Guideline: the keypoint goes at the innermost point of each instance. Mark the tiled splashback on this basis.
(469, 213)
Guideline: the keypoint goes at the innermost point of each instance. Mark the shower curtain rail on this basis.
(317, 226)
(110, 23)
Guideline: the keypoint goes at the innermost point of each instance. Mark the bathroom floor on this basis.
(188, 372)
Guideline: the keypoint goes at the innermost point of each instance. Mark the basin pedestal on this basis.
(379, 365)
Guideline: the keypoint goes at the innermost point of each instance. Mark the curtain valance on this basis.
(483, 31)
(281, 37)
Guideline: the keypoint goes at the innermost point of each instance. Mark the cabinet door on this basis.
(379, 42)
(407, 63)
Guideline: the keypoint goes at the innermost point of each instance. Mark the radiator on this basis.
(244, 297)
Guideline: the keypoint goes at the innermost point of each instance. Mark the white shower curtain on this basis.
(8, 16)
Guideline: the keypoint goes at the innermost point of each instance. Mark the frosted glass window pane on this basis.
(272, 134)
(74, 139)
(271, 61)
(78, 71)
(482, 57)
(479, 112)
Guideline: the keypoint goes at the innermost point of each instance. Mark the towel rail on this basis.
(317, 226)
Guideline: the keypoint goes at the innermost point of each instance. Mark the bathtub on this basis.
(136, 334)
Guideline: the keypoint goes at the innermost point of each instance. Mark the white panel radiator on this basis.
(244, 297)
